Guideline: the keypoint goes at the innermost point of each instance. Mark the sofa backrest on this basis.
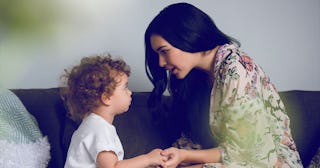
(303, 108)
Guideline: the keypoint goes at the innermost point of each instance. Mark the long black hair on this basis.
(189, 29)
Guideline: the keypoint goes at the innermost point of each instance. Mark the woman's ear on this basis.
(105, 99)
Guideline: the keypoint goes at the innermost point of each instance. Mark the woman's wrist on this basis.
(222, 153)
(184, 155)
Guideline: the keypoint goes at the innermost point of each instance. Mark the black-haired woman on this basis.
(247, 117)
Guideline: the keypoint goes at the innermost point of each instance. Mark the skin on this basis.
(117, 103)
(111, 106)
(176, 156)
(180, 63)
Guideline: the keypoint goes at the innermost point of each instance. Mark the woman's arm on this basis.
(176, 156)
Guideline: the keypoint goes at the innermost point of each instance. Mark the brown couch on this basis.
(139, 134)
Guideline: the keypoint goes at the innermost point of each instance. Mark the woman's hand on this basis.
(174, 157)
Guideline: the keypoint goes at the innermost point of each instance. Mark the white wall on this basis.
(282, 36)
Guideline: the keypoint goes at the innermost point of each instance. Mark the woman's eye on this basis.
(164, 52)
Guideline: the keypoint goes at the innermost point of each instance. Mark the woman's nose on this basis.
(162, 61)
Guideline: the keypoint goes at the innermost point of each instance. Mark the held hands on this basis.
(156, 159)
(173, 156)
(168, 158)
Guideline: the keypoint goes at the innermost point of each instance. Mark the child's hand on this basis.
(156, 159)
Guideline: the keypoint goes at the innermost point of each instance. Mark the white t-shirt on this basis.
(94, 135)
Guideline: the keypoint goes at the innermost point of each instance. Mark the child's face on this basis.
(121, 97)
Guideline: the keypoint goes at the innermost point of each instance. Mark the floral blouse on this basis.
(247, 115)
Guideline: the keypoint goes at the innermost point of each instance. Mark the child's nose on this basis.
(130, 92)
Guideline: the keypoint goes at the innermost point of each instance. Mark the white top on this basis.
(93, 136)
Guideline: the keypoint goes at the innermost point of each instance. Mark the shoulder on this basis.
(230, 54)
(232, 60)
(94, 126)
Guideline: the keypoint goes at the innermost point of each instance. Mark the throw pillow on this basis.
(21, 141)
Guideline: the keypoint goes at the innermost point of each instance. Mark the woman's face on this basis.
(173, 59)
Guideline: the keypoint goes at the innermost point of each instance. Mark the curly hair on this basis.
(87, 81)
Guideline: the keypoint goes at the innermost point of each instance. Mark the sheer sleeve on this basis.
(240, 119)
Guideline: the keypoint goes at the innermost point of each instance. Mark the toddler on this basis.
(98, 87)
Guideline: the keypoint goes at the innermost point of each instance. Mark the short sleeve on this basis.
(104, 140)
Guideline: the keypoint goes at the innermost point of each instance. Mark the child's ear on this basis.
(105, 99)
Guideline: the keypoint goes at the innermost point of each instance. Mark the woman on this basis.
(247, 117)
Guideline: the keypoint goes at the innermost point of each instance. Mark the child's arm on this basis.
(108, 159)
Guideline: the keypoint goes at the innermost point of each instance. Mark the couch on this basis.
(139, 134)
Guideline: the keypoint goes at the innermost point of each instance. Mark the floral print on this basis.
(246, 61)
(247, 116)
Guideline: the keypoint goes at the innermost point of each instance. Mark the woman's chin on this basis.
(180, 75)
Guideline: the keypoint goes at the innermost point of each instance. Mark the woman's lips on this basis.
(174, 71)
